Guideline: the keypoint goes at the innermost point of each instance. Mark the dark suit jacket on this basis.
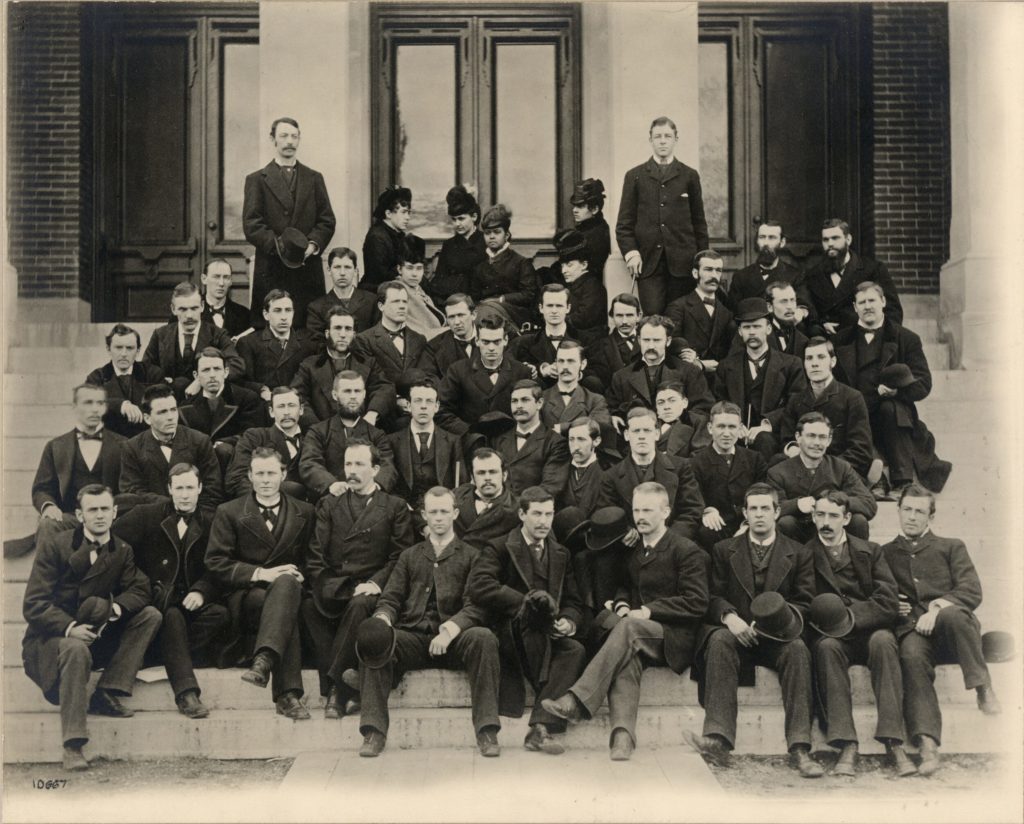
(672, 582)
(362, 305)
(315, 381)
(681, 439)
(448, 460)
(662, 217)
(236, 478)
(511, 276)
(61, 579)
(466, 392)
(587, 493)
(929, 568)
(322, 460)
(144, 468)
(748, 283)
(349, 549)
(582, 403)
(418, 572)
(543, 460)
(608, 354)
(784, 377)
(672, 473)
(708, 336)
(722, 486)
(241, 409)
(162, 351)
(441, 352)
(873, 602)
(377, 343)
(835, 305)
(143, 375)
(175, 566)
(630, 383)
(480, 529)
(794, 481)
(266, 364)
(236, 317)
(536, 348)
(899, 345)
(51, 484)
(846, 411)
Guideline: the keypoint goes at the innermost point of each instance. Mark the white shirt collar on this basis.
(591, 460)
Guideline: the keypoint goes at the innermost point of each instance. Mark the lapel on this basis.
(846, 358)
(577, 406)
(294, 521)
(253, 521)
(532, 444)
(677, 437)
(369, 516)
(170, 527)
(773, 382)
(742, 568)
(556, 567)
(386, 346)
(695, 307)
(168, 343)
(275, 181)
(860, 557)
(734, 378)
(442, 452)
(403, 447)
(638, 381)
(228, 410)
(303, 185)
(824, 568)
(848, 283)
(204, 336)
(826, 397)
(674, 169)
(517, 551)
(778, 565)
(64, 458)
(103, 561)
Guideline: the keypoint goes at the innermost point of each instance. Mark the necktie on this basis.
(289, 173)
(566, 397)
(467, 345)
(538, 550)
(423, 438)
(217, 316)
(189, 354)
(481, 505)
(492, 375)
(165, 443)
(728, 459)
(755, 367)
(630, 342)
(269, 517)
(398, 339)
(292, 441)
(184, 518)
(283, 342)
(95, 436)
(521, 439)
(708, 302)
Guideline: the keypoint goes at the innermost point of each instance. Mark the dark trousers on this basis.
(186, 638)
(617, 668)
(832, 659)
(801, 527)
(474, 650)
(657, 289)
(273, 613)
(906, 448)
(567, 659)
(119, 651)
(723, 656)
(707, 538)
(224, 452)
(333, 640)
(956, 639)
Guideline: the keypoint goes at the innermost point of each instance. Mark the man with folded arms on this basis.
(660, 605)
(424, 620)
(761, 584)
(938, 593)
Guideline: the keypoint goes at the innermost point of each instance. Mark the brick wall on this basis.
(43, 147)
(909, 185)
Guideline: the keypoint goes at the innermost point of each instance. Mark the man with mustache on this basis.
(567, 400)
(534, 454)
(619, 346)
(284, 437)
(486, 510)
(358, 537)
(752, 281)
(586, 469)
(343, 267)
(701, 317)
(785, 324)
(832, 282)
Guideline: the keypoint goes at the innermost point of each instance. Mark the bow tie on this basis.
(493, 371)
(168, 443)
(566, 394)
(95, 436)
(94, 547)
(708, 301)
(396, 333)
(219, 311)
(185, 516)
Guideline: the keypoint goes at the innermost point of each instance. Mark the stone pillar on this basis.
(314, 66)
(639, 62)
(980, 290)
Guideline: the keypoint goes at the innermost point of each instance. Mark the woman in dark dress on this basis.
(460, 253)
(504, 275)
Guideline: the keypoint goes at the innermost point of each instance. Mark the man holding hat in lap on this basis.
(761, 584)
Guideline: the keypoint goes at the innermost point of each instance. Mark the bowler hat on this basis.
(499, 215)
(568, 524)
(571, 245)
(493, 423)
(375, 643)
(830, 616)
(471, 442)
(608, 525)
(773, 618)
(751, 309)
(291, 247)
(387, 199)
(997, 647)
(461, 202)
(896, 376)
(94, 611)
(587, 191)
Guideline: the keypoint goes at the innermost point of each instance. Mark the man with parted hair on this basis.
(284, 436)
(534, 454)
(394, 345)
(272, 354)
(255, 553)
(785, 327)
(173, 347)
(125, 379)
(586, 471)
(701, 317)
(343, 268)
(218, 308)
(537, 348)
(619, 346)
(457, 342)
(567, 400)
(525, 578)
(661, 223)
(286, 195)
(659, 606)
(486, 508)
(939, 591)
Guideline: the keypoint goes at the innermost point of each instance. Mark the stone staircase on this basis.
(45, 359)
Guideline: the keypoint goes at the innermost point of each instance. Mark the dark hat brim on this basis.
(290, 263)
(897, 376)
(493, 423)
(794, 627)
(378, 661)
(841, 631)
(599, 542)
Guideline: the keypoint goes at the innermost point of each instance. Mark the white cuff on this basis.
(71, 626)
(451, 628)
(646, 612)
(631, 255)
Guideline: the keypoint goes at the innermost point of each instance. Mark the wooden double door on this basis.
(781, 125)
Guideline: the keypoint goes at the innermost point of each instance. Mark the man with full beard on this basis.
(752, 281)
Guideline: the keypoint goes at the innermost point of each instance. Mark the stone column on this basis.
(980, 290)
(639, 62)
(314, 66)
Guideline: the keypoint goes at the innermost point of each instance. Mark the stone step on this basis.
(262, 734)
(57, 333)
(49, 388)
(23, 452)
(19, 520)
(925, 328)
(38, 420)
(919, 306)
(937, 355)
(59, 359)
(958, 384)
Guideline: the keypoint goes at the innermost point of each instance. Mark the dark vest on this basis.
(869, 357)
(424, 470)
(538, 569)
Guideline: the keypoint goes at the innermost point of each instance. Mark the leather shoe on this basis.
(904, 766)
(290, 706)
(190, 706)
(333, 707)
(928, 747)
(373, 744)
(805, 765)
(259, 671)
(987, 701)
(352, 707)
(74, 759)
(713, 749)
(847, 763)
(350, 678)
(567, 707)
(538, 739)
(104, 702)
(622, 745)
(487, 741)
